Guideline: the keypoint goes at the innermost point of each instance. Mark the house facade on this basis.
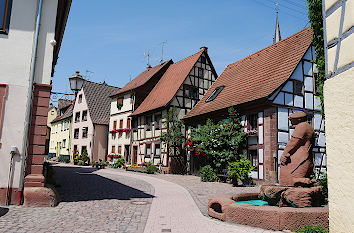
(266, 87)
(60, 137)
(52, 114)
(181, 86)
(124, 102)
(31, 32)
(90, 122)
(338, 22)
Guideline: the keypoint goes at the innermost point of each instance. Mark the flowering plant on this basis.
(188, 144)
(116, 156)
(145, 164)
(251, 131)
(110, 155)
(120, 130)
(220, 142)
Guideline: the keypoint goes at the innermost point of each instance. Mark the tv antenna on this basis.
(88, 74)
(147, 57)
(277, 7)
(162, 45)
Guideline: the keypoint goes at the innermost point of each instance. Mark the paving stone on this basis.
(89, 203)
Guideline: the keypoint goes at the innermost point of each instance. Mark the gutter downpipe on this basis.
(29, 105)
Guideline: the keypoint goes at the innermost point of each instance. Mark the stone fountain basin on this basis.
(226, 209)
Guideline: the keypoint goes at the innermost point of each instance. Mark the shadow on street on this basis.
(81, 184)
(3, 211)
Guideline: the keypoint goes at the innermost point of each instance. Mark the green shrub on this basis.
(240, 170)
(81, 163)
(119, 163)
(207, 174)
(151, 169)
(218, 143)
(84, 156)
(311, 229)
(322, 181)
(66, 160)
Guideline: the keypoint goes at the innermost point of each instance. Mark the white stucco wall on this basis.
(15, 60)
(339, 110)
(88, 142)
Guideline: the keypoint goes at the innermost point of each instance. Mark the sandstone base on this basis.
(292, 196)
(267, 217)
(40, 197)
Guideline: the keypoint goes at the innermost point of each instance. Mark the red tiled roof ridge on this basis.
(256, 76)
(269, 47)
(150, 102)
(141, 79)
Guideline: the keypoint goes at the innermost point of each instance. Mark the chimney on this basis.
(204, 48)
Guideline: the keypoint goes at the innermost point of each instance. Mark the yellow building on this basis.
(60, 136)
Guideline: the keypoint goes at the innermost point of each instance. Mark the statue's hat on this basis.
(297, 115)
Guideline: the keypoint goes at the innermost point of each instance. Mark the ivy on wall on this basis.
(315, 17)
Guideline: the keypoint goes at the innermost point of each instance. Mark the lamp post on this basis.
(76, 82)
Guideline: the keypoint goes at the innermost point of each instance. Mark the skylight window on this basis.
(215, 93)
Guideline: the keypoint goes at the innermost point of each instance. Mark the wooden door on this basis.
(135, 155)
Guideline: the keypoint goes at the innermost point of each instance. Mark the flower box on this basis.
(120, 130)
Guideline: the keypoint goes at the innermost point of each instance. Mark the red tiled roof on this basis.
(168, 85)
(257, 75)
(142, 78)
(66, 114)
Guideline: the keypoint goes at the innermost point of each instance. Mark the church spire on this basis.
(277, 36)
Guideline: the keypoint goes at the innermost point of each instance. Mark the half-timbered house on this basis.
(266, 87)
(124, 102)
(182, 86)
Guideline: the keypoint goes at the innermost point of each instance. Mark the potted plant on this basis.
(119, 105)
(93, 163)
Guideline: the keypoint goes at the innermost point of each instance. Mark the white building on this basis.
(91, 119)
(124, 102)
(31, 32)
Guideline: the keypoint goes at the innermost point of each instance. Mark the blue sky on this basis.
(109, 38)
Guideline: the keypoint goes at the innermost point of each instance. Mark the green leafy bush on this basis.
(151, 169)
(66, 160)
(322, 181)
(219, 143)
(207, 174)
(119, 163)
(81, 163)
(240, 170)
(84, 157)
(311, 229)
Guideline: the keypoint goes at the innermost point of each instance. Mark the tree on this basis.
(174, 137)
(315, 17)
(220, 142)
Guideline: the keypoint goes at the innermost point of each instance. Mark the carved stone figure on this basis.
(297, 160)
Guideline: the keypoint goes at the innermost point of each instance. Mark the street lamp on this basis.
(76, 82)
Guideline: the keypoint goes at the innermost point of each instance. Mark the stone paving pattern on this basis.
(174, 210)
(90, 203)
(201, 192)
(101, 201)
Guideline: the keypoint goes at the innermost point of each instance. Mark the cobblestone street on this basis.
(90, 203)
(113, 200)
